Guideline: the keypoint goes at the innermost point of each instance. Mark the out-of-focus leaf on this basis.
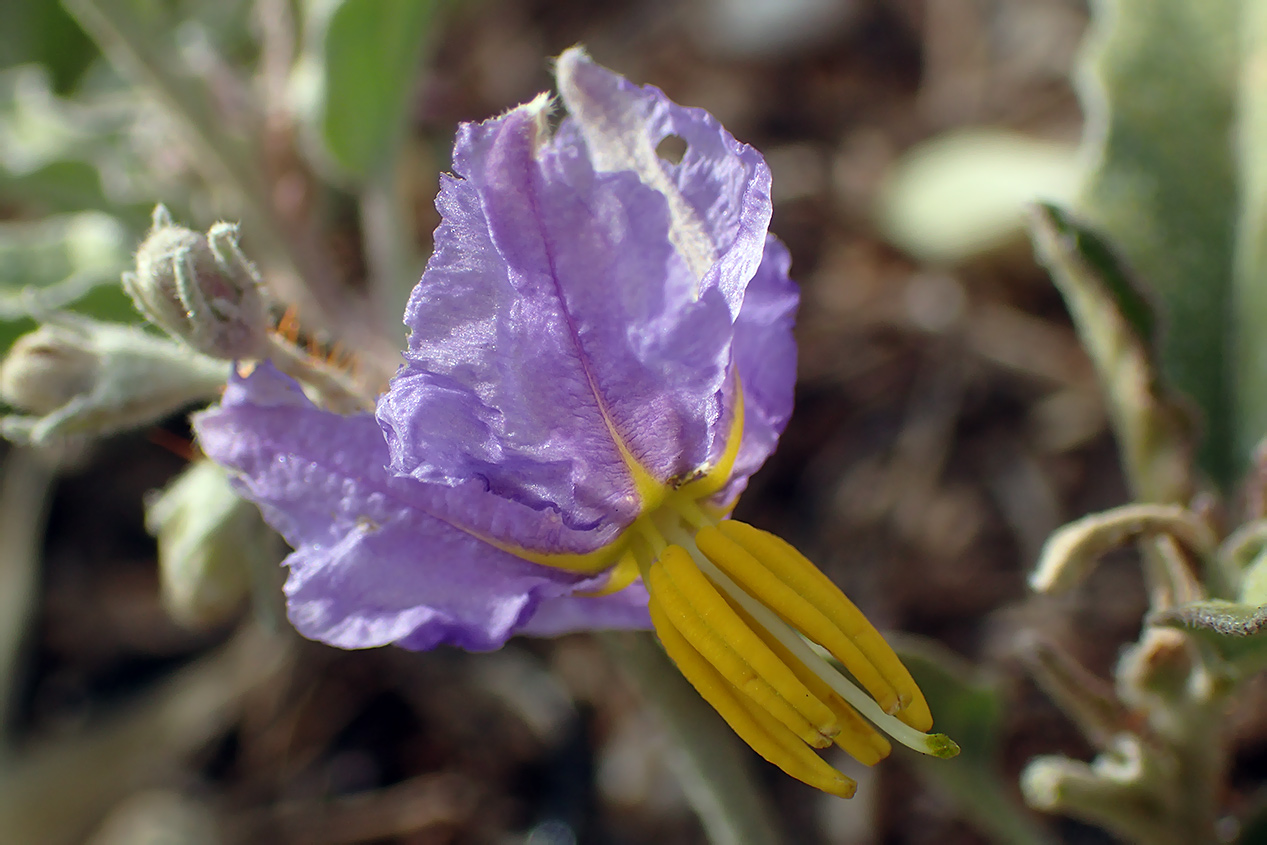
(1253, 582)
(1158, 89)
(969, 709)
(59, 186)
(35, 131)
(357, 75)
(710, 761)
(59, 154)
(1248, 314)
(42, 33)
(1117, 328)
(68, 262)
(965, 193)
(1237, 631)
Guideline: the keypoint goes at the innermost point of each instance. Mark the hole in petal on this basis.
(672, 149)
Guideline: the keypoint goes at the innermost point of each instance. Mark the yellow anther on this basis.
(857, 737)
(767, 736)
(798, 573)
(764, 584)
(708, 623)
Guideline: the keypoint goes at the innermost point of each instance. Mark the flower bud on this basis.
(46, 369)
(200, 289)
(75, 376)
(210, 542)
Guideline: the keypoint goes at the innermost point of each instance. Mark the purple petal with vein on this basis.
(379, 559)
(575, 308)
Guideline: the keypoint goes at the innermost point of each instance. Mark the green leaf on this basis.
(1253, 582)
(1158, 89)
(42, 33)
(965, 193)
(1117, 327)
(1127, 296)
(1238, 632)
(58, 154)
(969, 708)
(1248, 315)
(69, 262)
(360, 70)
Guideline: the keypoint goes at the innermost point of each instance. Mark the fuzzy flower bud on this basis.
(200, 289)
(46, 369)
(210, 544)
(75, 376)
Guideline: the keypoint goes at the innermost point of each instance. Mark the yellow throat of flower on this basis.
(754, 626)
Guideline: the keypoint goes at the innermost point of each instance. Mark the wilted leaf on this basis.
(1158, 89)
(965, 193)
(1070, 552)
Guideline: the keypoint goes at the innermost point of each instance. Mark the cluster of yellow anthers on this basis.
(752, 624)
(737, 609)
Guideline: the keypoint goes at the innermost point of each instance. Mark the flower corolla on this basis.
(600, 355)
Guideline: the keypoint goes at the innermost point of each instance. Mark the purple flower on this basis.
(556, 330)
(600, 355)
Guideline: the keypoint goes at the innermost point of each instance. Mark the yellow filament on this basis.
(704, 618)
(857, 737)
(586, 563)
(763, 584)
(797, 572)
(622, 575)
(764, 734)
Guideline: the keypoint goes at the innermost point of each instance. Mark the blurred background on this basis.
(947, 420)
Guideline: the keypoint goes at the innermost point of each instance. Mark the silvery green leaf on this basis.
(1238, 632)
(1248, 314)
(1158, 88)
(1118, 328)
